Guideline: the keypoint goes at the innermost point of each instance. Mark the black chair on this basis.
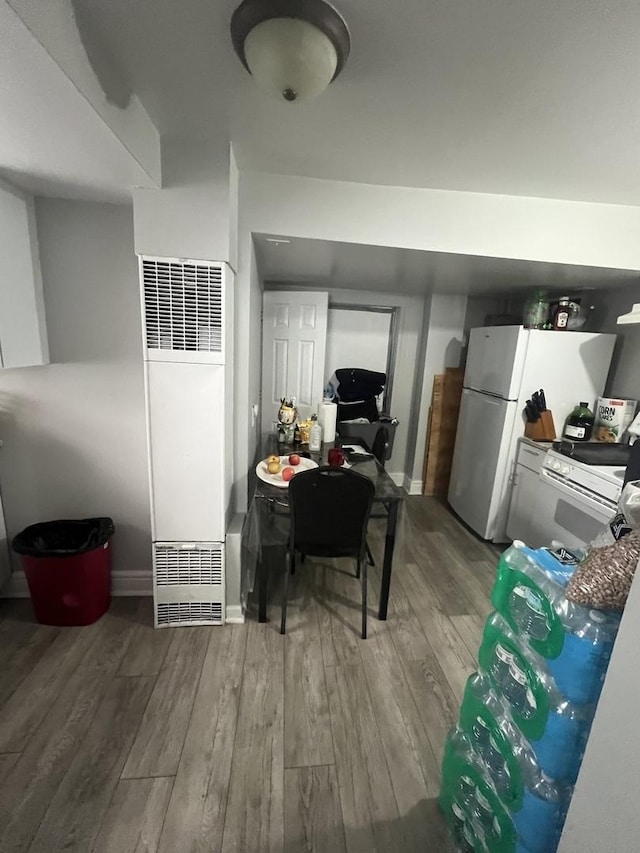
(380, 449)
(380, 445)
(330, 509)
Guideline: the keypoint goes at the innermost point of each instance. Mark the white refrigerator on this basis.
(505, 365)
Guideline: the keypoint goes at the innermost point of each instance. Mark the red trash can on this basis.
(68, 568)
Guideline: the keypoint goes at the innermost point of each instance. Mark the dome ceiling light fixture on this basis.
(292, 48)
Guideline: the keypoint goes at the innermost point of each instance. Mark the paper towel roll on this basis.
(327, 416)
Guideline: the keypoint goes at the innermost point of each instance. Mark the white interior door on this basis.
(294, 334)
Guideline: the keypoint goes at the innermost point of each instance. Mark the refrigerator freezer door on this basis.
(496, 359)
(570, 366)
(479, 486)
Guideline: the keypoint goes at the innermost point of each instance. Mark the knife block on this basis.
(542, 430)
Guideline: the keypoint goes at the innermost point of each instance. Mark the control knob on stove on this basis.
(565, 469)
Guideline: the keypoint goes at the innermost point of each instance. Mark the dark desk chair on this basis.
(330, 508)
(380, 449)
(380, 446)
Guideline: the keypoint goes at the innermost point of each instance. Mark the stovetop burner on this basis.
(594, 452)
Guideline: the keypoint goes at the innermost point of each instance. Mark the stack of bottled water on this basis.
(510, 763)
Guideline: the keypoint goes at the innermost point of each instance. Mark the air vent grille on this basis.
(189, 583)
(177, 566)
(182, 306)
(189, 613)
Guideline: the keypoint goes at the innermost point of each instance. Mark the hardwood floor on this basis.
(116, 738)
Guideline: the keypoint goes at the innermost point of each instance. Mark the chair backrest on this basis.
(380, 445)
(330, 508)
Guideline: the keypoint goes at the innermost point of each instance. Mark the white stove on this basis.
(602, 480)
(576, 500)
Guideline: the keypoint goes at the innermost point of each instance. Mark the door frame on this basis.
(392, 345)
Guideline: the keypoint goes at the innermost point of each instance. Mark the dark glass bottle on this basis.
(562, 314)
(579, 425)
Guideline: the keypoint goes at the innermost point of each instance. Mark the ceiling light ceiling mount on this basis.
(292, 48)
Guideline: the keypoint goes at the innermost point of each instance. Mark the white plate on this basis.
(276, 479)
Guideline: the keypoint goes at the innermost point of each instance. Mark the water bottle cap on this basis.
(597, 616)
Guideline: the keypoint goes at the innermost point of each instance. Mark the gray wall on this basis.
(604, 815)
(442, 339)
(74, 431)
(624, 377)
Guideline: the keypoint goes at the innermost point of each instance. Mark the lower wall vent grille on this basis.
(189, 583)
(182, 566)
(190, 613)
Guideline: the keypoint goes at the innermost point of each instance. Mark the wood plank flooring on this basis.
(116, 738)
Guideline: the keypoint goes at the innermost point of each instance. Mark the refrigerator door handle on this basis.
(486, 393)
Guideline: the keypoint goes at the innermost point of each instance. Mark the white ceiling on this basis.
(502, 96)
(320, 263)
(51, 140)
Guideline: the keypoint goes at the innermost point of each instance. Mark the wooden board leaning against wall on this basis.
(441, 431)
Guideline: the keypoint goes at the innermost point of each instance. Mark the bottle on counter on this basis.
(315, 435)
(536, 311)
(579, 425)
(562, 314)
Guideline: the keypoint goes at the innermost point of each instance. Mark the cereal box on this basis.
(612, 418)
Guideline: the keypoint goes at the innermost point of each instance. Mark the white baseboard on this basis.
(413, 487)
(234, 614)
(122, 584)
(131, 583)
(16, 586)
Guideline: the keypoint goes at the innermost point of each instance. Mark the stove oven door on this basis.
(569, 514)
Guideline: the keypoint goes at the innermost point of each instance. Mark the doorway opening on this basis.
(362, 336)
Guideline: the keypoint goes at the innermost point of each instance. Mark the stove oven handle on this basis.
(576, 492)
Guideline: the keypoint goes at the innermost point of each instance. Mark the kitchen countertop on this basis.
(543, 445)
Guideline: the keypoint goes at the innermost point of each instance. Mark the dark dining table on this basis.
(271, 502)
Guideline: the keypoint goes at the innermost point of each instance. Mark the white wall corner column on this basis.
(194, 217)
(443, 348)
(23, 331)
(185, 345)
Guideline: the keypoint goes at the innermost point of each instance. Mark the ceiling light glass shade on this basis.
(290, 58)
(292, 48)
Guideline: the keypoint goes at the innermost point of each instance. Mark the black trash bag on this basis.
(361, 409)
(356, 383)
(63, 538)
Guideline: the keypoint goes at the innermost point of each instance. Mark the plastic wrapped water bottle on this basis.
(541, 818)
(528, 614)
(575, 642)
(487, 744)
(532, 822)
(556, 728)
(465, 784)
(580, 669)
(467, 836)
(536, 802)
